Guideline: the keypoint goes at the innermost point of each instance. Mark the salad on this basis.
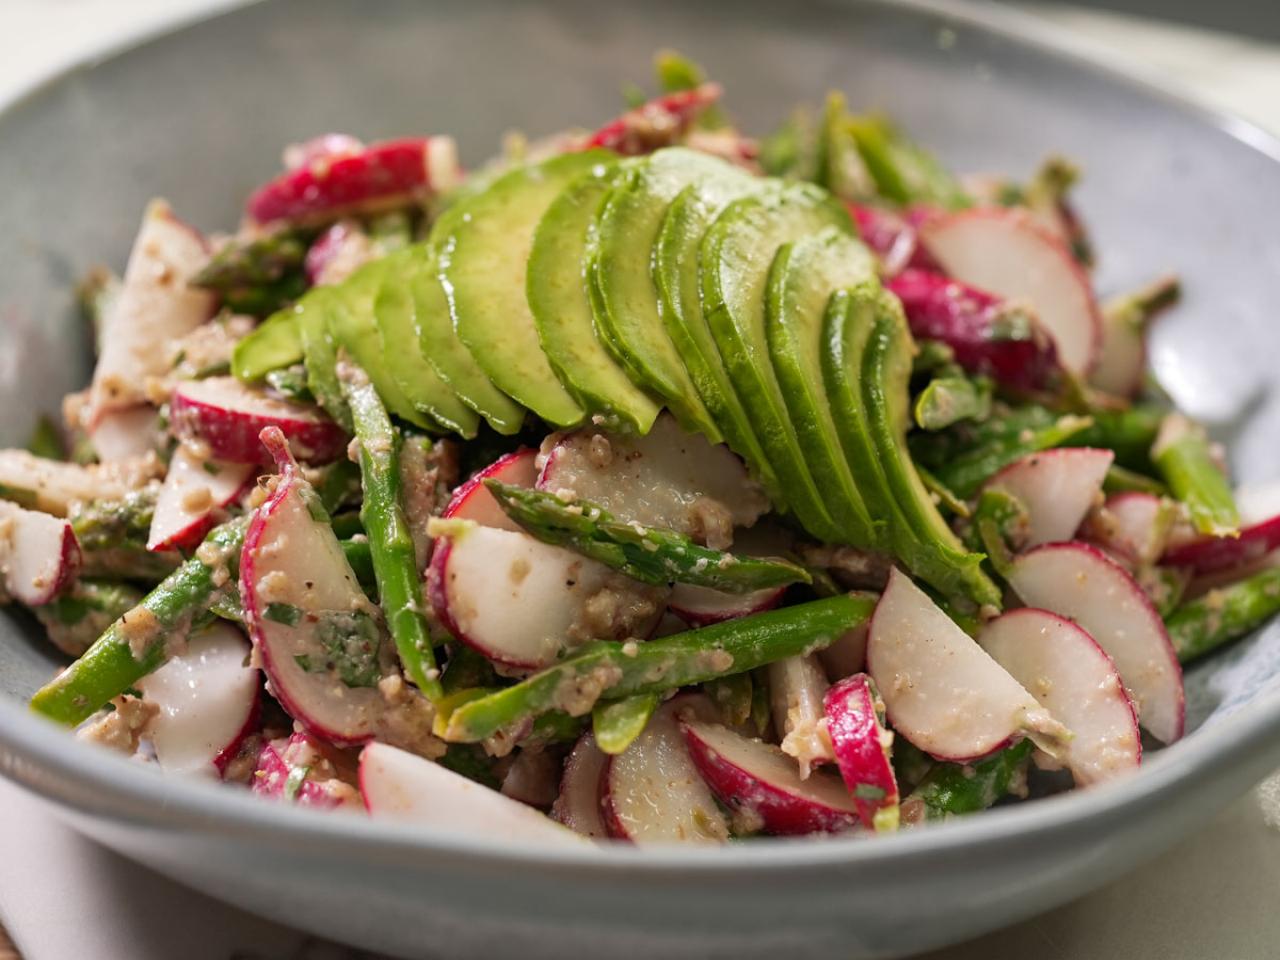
(655, 484)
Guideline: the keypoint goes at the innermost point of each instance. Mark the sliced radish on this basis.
(533, 777)
(941, 690)
(577, 805)
(659, 123)
(327, 145)
(988, 335)
(336, 254)
(125, 434)
(321, 644)
(39, 554)
(473, 501)
(378, 177)
(855, 722)
(668, 479)
(700, 606)
(1074, 679)
(761, 784)
(653, 792)
(796, 688)
(1058, 487)
(156, 306)
(194, 491)
(401, 786)
(892, 238)
(229, 417)
(1260, 535)
(287, 771)
(52, 486)
(1122, 364)
(1133, 525)
(1078, 581)
(1005, 252)
(522, 602)
(847, 656)
(208, 699)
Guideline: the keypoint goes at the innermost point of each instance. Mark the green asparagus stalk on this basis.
(732, 696)
(77, 618)
(613, 671)
(46, 440)
(617, 723)
(953, 789)
(290, 382)
(647, 554)
(950, 398)
(258, 276)
(1123, 480)
(904, 172)
(1137, 308)
(466, 670)
(137, 643)
(942, 495)
(675, 73)
(390, 544)
(1001, 516)
(1208, 622)
(1182, 455)
(103, 524)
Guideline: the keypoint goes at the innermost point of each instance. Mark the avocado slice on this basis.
(803, 276)
(352, 326)
(393, 311)
(483, 260)
(619, 265)
(274, 343)
(558, 296)
(675, 271)
(320, 354)
(735, 257)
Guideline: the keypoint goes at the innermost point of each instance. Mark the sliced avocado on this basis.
(393, 312)
(620, 268)
(804, 274)
(483, 259)
(735, 257)
(273, 344)
(561, 305)
(352, 326)
(320, 354)
(675, 271)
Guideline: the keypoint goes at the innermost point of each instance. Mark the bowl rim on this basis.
(38, 759)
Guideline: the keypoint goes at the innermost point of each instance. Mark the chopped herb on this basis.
(285, 613)
(293, 783)
(303, 661)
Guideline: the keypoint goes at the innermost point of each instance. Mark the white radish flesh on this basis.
(577, 805)
(193, 492)
(700, 606)
(121, 435)
(847, 656)
(39, 554)
(473, 501)
(1058, 488)
(1132, 525)
(796, 688)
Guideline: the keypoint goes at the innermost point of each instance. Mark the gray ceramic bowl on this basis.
(200, 115)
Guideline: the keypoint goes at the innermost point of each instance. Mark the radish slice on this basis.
(39, 554)
(473, 501)
(522, 602)
(400, 786)
(1058, 488)
(229, 417)
(668, 478)
(378, 177)
(1074, 679)
(941, 690)
(855, 722)
(156, 306)
(287, 771)
(796, 688)
(52, 486)
(892, 238)
(327, 145)
(661, 122)
(1132, 525)
(1213, 554)
(337, 253)
(1007, 253)
(1122, 358)
(700, 606)
(761, 785)
(847, 656)
(121, 435)
(193, 493)
(208, 700)
(578, 804)
(653, 792)
(1078, 581)
(321, 645)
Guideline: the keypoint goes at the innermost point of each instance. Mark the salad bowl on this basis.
(196, 115)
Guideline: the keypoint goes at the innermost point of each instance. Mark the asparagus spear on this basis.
(46, 440)
(137, 643)
(617, 723)
(1137, 308)
(647, 554)
(390, 544)
(733, 696)
(952, 789)
(258, 276)
(1182, 455)
(76, 618)
(612, 670)
(1225, 614)
(113, 538)
(950, 398)
(1124, 480)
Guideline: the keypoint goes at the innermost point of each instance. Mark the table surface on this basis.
(1212, 896)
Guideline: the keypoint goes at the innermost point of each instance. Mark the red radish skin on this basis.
(292, 559)
(1058, 487)
(659, 123)
(1074, 679)
(272, 779)
(892, 238)
(39, 555)
(337, 253)
(577, 805)
(122, 435)
(397, 785)
(1132, 525)
(1079, 582)
(193, 494)
(208, 699)
(977, 325)
(155, 307)
(1006, 253)
(473, 501)
(252, 725)
(381, 176)
(941, 691)
(229, 417)
(761, 784)
(1215, 554)
(327, 145)
(855, 723)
